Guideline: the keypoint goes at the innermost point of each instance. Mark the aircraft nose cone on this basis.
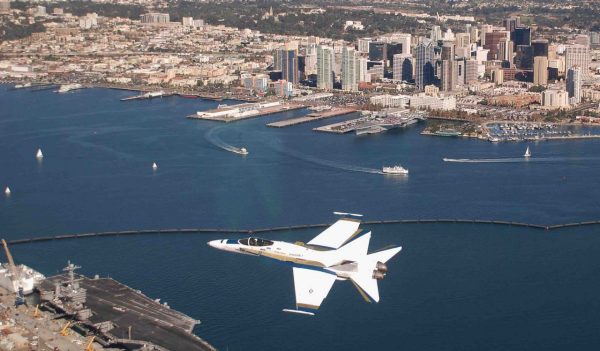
(215, 243)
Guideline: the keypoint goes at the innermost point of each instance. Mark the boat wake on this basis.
(518, 159)
(327, 163)
(212, 135)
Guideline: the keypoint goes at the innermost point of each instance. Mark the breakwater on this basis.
(291, 228)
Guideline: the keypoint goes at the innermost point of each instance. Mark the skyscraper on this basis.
(425, 70)
(289, 65)
(436, 34)
(324, 67)
(540, 70)
(578, 55)
(540, 47)
(521, 36)
(402, 67)
(349, 69)
(574, 84)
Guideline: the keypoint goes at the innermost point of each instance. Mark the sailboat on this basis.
(7, 191)
(39, 154)
(527, 153)
(154, 166)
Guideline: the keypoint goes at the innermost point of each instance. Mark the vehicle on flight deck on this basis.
(332, 255)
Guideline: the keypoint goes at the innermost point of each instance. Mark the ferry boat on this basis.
(527, 153)
(394, 170)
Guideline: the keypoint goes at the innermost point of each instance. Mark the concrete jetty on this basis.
(314, 116)
(241, 112)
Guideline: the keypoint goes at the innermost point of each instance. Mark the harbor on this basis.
(313, 116)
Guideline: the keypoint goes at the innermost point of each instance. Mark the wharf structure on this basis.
(244, 111)
(314, 116)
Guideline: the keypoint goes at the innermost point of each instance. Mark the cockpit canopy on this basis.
(255, 242)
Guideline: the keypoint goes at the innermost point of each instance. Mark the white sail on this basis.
(39, 154)
(154, 166)
(7, 191)
(527, 152)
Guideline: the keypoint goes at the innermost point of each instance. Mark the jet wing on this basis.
(337, 234)
(312, 287)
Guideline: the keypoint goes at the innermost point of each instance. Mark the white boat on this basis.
(39, 154)
(242, 151)
(154, 166)
(527, 153)
(394, 170)
(7, 191)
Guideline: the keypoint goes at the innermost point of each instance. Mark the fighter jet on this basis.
(335, 254)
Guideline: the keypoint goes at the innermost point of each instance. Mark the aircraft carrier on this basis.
(97, 313)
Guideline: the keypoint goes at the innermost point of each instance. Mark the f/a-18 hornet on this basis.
(335, 254)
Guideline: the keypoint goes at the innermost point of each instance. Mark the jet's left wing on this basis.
(312, 287)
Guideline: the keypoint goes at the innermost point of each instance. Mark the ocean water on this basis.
(454, 286)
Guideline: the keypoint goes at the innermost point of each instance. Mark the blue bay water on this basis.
(453, 286)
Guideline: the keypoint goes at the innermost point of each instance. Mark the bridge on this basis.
(290, 228)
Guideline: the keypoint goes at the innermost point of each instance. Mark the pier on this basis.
(245, 111)
(148, 95)
(38, 239)
(311, 117)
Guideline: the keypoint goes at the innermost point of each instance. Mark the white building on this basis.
(578, 55)
(324, 67)
(555, 99)
(387, 100)
(349, 69)
(422, 101)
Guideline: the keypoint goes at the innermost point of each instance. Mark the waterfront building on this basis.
(388, 100)
(424, 63)
(574, 84)
(540, 70)
(555, 99)
(578, 55)
(154, 18)
(283, 88)
(324, 67)
(422, 102)
(349, 69)
(402, 67)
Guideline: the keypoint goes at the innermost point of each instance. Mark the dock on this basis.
(148, 95)
(342, 127)
(244, 111)
(311, 117)
(118, 315)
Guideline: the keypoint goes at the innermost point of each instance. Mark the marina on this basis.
(314, 116)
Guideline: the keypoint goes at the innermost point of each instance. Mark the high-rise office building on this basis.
(324, 67)
(349, 69)
(424, 63)
(362, 69)
(402, 67)
(492, 43)
(540, 70)
(289, 65)
(448, 75)
(521, 36)
(540, 47)
(377, 51)
(363, 45)
(578, 55)
(485, 28)
(511, 23)
(436, 34)
(574, 84)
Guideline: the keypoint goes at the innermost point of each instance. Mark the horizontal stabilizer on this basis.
(367, 285)
(385, 255)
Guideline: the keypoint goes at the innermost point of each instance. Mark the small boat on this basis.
(221, 106)
(527, 153)
(7, 191)
(394, 170)
(243, 151)
(154, 166)
(39, 154)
